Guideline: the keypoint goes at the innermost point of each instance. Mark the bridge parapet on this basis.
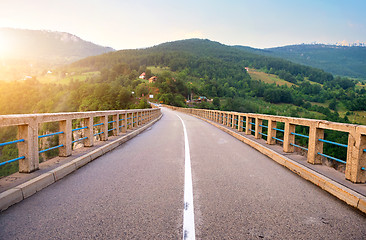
(250, 123)
(93, 125)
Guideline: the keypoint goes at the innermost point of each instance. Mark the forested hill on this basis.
(339, 60)
(182, 54)
(214, 70)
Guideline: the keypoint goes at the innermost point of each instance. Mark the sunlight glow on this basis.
(5, 46)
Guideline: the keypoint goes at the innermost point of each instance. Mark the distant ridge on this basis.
(339, 60)
(25, 53)
(43, 45)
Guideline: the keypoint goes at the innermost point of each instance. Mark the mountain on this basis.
(187, 69)
(26, 52)
(184, 53)
(339, 60)
(47, 45)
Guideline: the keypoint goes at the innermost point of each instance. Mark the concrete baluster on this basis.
(314, 145)
(258, 128)
(89, 132)
(289, 138)
(240, 123)
(356, 157)
(248, 126)
(116, 130)
(104, 128)
(65, 138)
(271, 132)
(28, 148)
(233, 121)
(124, 122)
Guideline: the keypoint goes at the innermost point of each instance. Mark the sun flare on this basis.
(5, 45)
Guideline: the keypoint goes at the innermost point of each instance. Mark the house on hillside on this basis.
(153, 79)
(142, 76)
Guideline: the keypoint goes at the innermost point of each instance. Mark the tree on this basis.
(333, 104)
(216, 102)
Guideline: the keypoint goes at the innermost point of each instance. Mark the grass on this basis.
(267, 78)
(359, 86)
(53, 78)
(357, 117)
(325, 104)
(158, 70)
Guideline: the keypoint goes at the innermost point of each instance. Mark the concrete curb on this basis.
(27, 189)
(341, 192)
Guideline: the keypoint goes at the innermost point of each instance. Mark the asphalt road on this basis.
(136, 192)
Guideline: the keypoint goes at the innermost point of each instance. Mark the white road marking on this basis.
(188, 216)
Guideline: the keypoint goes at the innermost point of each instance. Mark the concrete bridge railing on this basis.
(253, 123)
(94, 125)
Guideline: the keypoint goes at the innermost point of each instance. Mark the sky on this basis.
(129, 24)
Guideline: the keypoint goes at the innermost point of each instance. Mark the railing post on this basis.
(124, 122)
(132, 120)
(248, 126)
(144, 114)
(228, 121)
(314, 145)
(135, 122)
(356, 157)
(234, 122)
(288, 138)
(104, 128)
(89, 132)
(258, 128)
(65, 138)
(116, 130)
(28, 148)
(271, 132)
(135, 119)
(240, 123)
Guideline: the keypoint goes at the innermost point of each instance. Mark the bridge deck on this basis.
(136, 191)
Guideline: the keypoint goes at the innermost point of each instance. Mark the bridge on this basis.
(175, 173)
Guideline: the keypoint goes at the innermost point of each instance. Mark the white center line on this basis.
(188, 216)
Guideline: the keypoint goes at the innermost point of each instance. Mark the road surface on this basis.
(137, 192)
